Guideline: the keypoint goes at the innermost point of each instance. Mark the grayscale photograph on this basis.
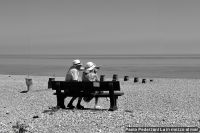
(99, 66)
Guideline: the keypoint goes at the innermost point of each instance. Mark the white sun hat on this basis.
(77, 62)
(90, 66)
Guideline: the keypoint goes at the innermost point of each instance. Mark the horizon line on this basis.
(100, 54)
(103, 56)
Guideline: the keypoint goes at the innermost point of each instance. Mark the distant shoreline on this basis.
(83, 56)
(141, 72)
(162, 66)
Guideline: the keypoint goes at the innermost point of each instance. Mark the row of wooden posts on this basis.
(126, 78)
(102, 78)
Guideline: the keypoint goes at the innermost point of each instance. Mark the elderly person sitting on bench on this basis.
(90, 75)
(73, 76)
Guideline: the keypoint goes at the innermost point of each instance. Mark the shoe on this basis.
(79, 107)
(70, 106)
(97, 107)
(63, 107)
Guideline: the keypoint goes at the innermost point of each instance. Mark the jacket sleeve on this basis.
(75, 74)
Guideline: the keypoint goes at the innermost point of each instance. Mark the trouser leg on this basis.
(79, 100)
(96, 100)
(72, 100)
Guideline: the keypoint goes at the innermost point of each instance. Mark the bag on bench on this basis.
(89, 98)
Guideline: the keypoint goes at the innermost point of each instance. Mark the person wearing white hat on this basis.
(73, 72)
(90, 75)
(90, 72)
(73, 76)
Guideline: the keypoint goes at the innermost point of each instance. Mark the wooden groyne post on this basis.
(102, 78)
(29, 83)
(126, 78)
(136, 79)
(143, 81)
(115, 77)
(49, 82)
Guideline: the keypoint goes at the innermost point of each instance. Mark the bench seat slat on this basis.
(104, 94)
(84, 86)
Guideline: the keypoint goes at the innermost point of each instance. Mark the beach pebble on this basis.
(35, 116)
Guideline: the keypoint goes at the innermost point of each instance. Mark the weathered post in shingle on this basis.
(135, 79)
(126, 78)
(115, 77)
(29, 83)
(102, 78)
(49, 82)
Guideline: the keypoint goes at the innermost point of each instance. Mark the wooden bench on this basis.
(109, 89)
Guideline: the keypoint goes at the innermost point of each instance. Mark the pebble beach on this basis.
(165, 102)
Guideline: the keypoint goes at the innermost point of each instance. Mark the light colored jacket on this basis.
(72, 74)
(88, 76)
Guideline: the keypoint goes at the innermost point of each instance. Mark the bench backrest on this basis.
(86, 86)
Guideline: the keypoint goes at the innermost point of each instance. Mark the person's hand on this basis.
(95, 70)
(82, 68)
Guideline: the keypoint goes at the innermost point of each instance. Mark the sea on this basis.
(149, 66)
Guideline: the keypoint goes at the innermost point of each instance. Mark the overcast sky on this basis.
(99, 26)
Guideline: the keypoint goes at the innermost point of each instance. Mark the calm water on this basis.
(131, 65)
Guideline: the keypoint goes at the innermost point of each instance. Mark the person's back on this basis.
(72, 74)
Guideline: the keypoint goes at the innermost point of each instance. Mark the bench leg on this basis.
(113, 104)
(113, 101)
(60, 101)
